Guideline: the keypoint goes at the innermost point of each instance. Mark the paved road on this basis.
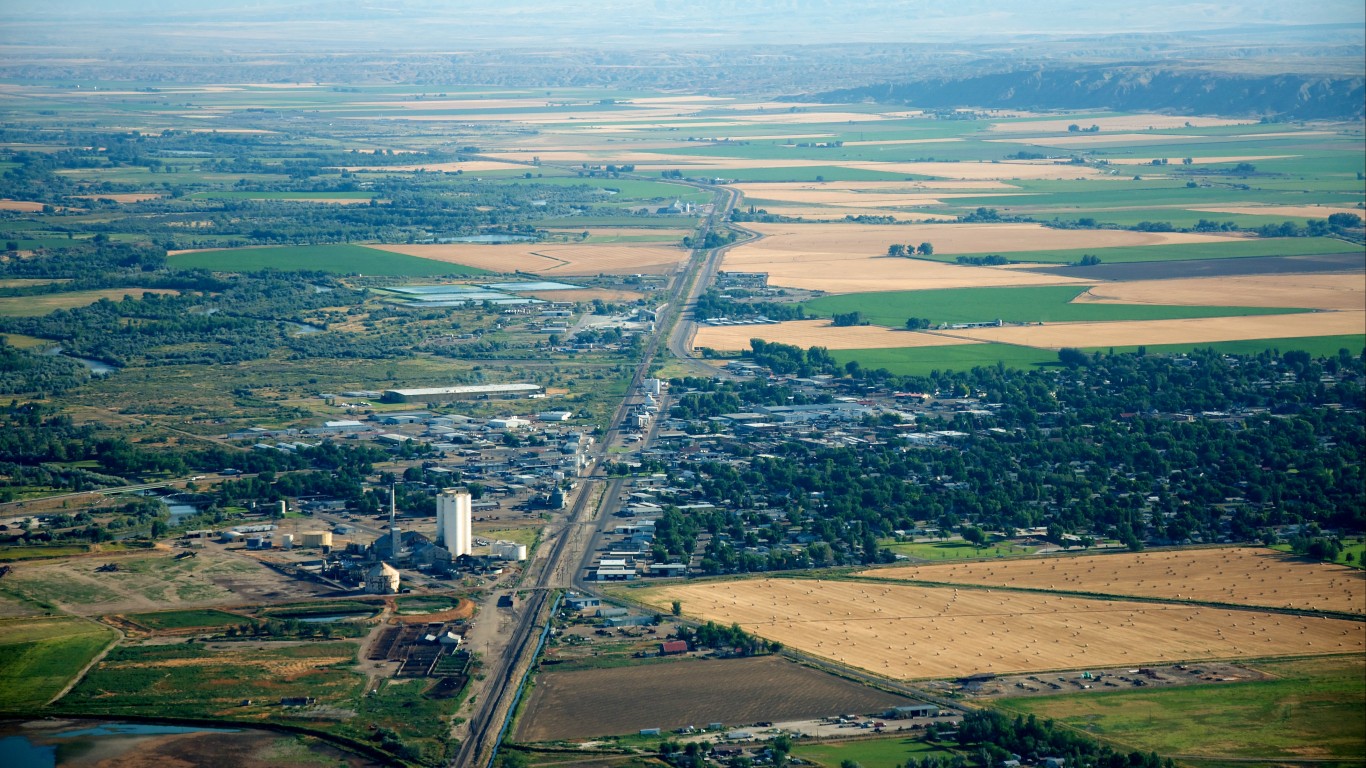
(570, 542)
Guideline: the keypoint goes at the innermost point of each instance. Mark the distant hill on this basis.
(1132, 88)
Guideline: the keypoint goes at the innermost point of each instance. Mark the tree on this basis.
(895, 249)
(1338, 221)
(925, 249)
(917, 323)
(1072, 357)
(974, 536)
(676, 607)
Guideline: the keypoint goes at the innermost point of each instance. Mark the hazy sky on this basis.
(449, 24)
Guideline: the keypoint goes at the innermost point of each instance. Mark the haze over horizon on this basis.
(426, 25)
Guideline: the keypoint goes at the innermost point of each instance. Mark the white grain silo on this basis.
(454, 521)
(285, 541)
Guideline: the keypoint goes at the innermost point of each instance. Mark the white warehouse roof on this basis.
(473, 389)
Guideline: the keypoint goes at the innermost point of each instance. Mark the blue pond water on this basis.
(19, 751)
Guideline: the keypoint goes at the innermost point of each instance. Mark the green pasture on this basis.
(11, 554)
(889, 752)
(1353, 550)
(189, 619)
(39, 656)
(1050, 304)
(921, 361)
(338, 259)
(1233, 248)
(195, 681)
(1316, 702)
(32, 306)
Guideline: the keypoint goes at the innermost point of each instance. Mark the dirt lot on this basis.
(553, 259)
(1246, 575)
(1313, 291)
(909, 632)
(152, 582)
(1196, 331)
(808, 333)
(603, 702)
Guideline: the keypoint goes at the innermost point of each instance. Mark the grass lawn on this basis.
(1353, 550)
(39, 656)
(954, 550)
(10, 554)
(890, 752)
(1313, 710)
(920, 361)
(525, 536)
(339, 259)
(1231, 249)
(1050, 304)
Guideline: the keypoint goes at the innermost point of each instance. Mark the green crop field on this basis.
(338, 259)
(39, 656)
(1312, 709)
(1318, 346)
(1232, 249)
(890, 752)
(187, 619)
(921, 361)
(1050, 304)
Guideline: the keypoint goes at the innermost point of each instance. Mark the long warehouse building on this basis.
(439, 394)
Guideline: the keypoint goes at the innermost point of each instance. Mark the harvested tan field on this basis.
(124, 197)
(1117, 123)
(808, 333)
(982, 170)
(468, 166)
(26, 206)
(1246, 575)
(857, 241)
(850, 258)
(1090, 139)
(1309, 291)
(908, 632)
(552, 258)
(837, 213)
(1308, 211)
(1195, 160)
(1197, 331)
(765, 189)
(898, 141)
(835, 194)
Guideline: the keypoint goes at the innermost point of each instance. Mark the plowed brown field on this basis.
(604, 702)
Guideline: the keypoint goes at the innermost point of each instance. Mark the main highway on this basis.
(562, 563)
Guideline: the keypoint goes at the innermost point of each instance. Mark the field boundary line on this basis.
(1304, 612)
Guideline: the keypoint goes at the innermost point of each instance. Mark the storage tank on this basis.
(317, 539)
(285, 541)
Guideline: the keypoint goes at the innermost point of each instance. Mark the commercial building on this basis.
(382, 579)
(441, 394)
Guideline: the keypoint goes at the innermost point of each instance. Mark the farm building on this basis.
(915, 710)
(441, 394)
(382, 579)
(671, 647)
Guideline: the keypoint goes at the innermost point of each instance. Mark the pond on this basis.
(53, 743)
(96, 367)
(302, 329)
